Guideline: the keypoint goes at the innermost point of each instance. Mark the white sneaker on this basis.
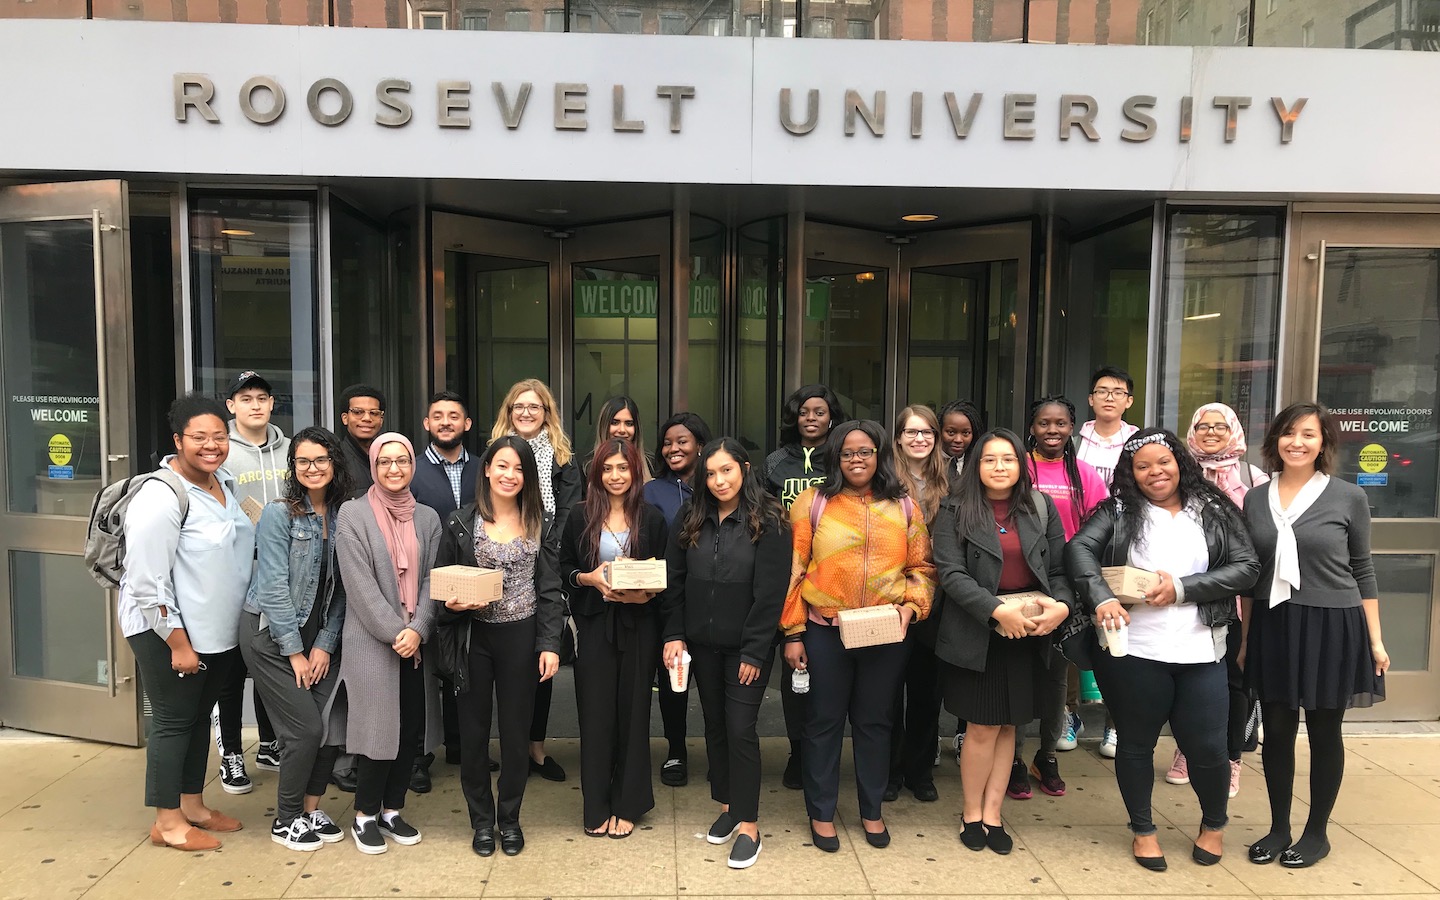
(1070, 737)
(1107, 743)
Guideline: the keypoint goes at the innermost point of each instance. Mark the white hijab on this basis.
(1286, 578)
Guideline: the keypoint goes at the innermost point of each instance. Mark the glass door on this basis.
(67, 430)
(1365, 328)
(848, 311)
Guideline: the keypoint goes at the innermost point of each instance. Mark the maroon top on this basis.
(1015, 574)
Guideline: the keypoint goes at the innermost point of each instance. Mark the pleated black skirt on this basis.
(1007, 692)
(1312, 657)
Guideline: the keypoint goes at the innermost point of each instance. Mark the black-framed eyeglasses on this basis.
(1109, 393)
(866, 453)
(1219, 428)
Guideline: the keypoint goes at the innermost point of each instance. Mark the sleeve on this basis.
(566, 485)
(1055, 558)
(1234, 573)
(672, 601)
(549, 600)
(919, 567)
(657, 538)
(1258, 476)
(364, 601)
(1361, 565)
(152, 530)
(793, 614)
(270, 588)
(329, 637)
(771, 578)
(427, 533)
(1083, 555)
(959, 585)
(1096, 490)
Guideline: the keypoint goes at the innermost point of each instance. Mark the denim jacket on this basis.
(287, 573)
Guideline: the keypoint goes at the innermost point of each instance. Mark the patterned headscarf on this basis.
(1221, 468)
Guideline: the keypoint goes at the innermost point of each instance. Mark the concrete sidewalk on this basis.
(71, 825)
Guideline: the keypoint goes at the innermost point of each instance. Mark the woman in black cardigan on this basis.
(617, 636)
(995, 536)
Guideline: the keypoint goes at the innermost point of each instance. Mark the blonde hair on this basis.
(558, 439)
(933, 468)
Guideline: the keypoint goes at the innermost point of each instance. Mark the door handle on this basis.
(116, 457)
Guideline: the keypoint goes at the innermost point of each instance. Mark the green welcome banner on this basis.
(625, 299)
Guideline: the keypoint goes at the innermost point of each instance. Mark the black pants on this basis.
(540, 715)
(178, 747)
(614, 668)
(381, 783)
(1143, 695)
(1239, 697)
(504, 671)
(731, 710)
(916, 714)
(1327, 764)
(232, 708)
(795, 707)
(858, 685)
(674, 708)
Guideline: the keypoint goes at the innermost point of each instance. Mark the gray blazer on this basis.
(364, 712)
(968, 567)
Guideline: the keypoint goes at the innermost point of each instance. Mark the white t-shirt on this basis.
(1103, 452)
(1175, 544)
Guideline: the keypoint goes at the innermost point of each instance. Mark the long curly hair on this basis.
(1129, 502)
(885, 485)
(1072, 461)
(596, 504)
(342, 480)
(973, 509)
(757, 507)
(790, 415)
(932, 466)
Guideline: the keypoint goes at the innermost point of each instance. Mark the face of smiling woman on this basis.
(1158, 474)
(394, 467)
(201, 447)
(858, 460)
(504, 474)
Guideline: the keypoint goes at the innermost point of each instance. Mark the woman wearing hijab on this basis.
(386, 544)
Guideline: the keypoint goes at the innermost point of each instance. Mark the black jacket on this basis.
(586, 601)
(565, 483)
(457, 548)
(358, 459)
(788, 472)
(1104, 541)
(726, 592)
(968, 568)
(431, 486)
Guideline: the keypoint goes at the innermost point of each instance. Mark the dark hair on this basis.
(596, 504)
(691, 423)
(437, 397)
(1115, 372)
(1129, 501)
(970, 411)
(973, 510)
(532, 506)
(608, 410)
(886, 484)
(790, 415)
(759, 510)
(1286, 420)
(342, 480)
(1072, 462)
(191, 406)
(360, 390)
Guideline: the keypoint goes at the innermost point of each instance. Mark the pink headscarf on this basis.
(395, 512)
(1221, 468)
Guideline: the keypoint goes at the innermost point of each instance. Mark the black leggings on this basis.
(231, 707)
(381, 783)
(1327, 764)
(674, 709)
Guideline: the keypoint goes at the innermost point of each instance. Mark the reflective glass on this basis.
(946, 306)
(1362, 24)
(761, 271)
(616, 303)
(497, 315)
(1406, 590)
(703, 376)
(57, 619)
(845, 316)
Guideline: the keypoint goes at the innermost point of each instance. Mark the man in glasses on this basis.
(362, 412)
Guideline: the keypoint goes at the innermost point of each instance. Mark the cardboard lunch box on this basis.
(1028, 601)
(1129, 584)
(472, 585)
(869, 626)
(638, 575)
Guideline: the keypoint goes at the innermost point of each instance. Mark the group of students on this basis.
(327, 602)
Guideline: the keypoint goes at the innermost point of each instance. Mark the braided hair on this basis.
(972, 413)
(1072, 462)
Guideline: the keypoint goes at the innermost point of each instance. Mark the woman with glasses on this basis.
(920, 465)
(859, 542)
(180, 599)
(529, 411)
(290, 631)
(386, 544)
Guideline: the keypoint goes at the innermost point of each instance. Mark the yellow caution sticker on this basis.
(60, 451)
(1373, 458)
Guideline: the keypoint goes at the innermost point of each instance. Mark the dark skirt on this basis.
(1007, 692)
(1312, 657)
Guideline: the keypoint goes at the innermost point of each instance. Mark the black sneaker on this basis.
(298, 835)
(267, 756)
(325, 827)
(368, 838)
(744, 853)
(724, 829)
(232, 774)
(399, 830)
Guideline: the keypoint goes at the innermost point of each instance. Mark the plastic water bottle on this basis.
(800, 681)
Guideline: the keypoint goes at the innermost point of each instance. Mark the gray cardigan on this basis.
(1333, 537)
(364, 714)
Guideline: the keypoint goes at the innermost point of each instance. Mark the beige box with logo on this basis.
(869, 626)
(471, 585)
(638, 575)
(1028, 601)
(1129, 584)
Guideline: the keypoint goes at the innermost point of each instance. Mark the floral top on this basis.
(517, 560)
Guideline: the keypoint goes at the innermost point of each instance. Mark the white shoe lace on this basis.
(1111, 736)
(233, 765)
(319, 820)
(299, 827)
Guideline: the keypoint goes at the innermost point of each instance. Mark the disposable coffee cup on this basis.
(1117, 639)
(680, 673)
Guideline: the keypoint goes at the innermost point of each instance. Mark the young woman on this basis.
(290, 631)
(619, 418)
(866, 546)
(960, 424)
(384, 708)
(729, 566)
(810, 414)
(1165, 517)
(1217, 441)
(1075, 488)
(529, 411)
(681, 437)
(920, 465)
(509, 645)
(992, 538)
(180, 599)
(1313, 639)
(617, 633)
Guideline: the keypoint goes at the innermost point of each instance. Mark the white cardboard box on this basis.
(638, 575)
(471, 584)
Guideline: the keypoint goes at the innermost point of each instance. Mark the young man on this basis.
(362, 413)
(258, 451)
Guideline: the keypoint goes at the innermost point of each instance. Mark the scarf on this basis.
(395, 513)
(1286, 578)
(544, 461)
(1223, 468)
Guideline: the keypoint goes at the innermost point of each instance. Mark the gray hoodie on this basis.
(259, 471)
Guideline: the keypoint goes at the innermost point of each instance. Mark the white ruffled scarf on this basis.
(1286, 578)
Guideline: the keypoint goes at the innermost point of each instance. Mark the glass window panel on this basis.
(761, 270)
(271, 12)
(475, 22)
(554, 20)
(432, 21)
(51, 374)
(616, 303)
(1220, 322)
(1406, 597)
(1001, 405)
(707, 256)
(671, 23)
(497, 327)
(1379, 327)
(945, 309)
(1182, 23)
(252, 271)
(517, 20)
(1365, 24)
(845, 318)
(57, 619)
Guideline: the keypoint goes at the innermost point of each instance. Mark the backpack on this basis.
(817, 507)
(105, 535)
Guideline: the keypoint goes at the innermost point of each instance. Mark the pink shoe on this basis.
(1235, 767)
(1179, 772)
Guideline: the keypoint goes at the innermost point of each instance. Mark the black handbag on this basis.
(1075, 639)
(452, 662)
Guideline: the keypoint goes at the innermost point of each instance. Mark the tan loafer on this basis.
(219, 823)
(195, 839)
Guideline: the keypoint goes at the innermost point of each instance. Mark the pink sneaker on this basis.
(1179, 772)
(1235, 767)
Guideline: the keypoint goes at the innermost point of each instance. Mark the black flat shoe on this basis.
(1153, 863)
(1267, 849)
(973, 836)
(1298, 857)
(1204, 857)
(878, 839)
(420, 779)
(892, 792)
(791, 777)
(828, 844)
(549, 769)
(996, 839)
(926, 792)
(512, 840)
(484, 842)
